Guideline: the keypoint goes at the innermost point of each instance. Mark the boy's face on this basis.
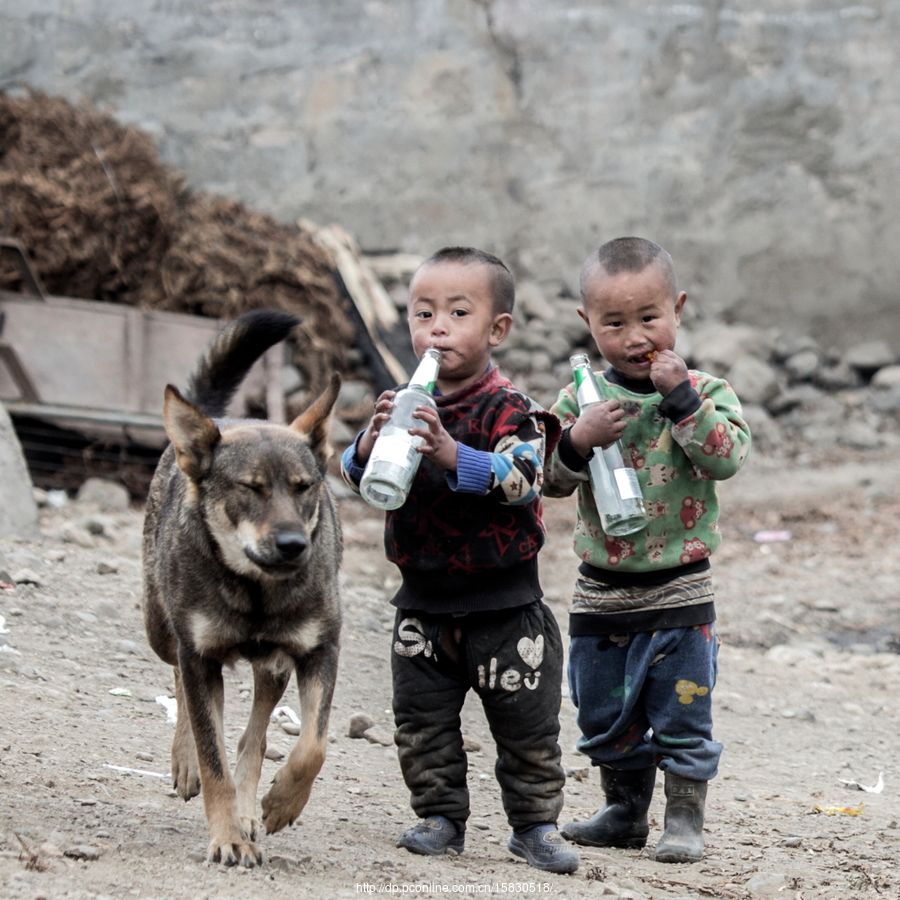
(630, 314)
(451, 308)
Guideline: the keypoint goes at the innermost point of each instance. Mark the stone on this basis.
(274, 754)
(530, 298)
(470, 745)
(837, 377)
(802, 366)
(105, 568)
(107, 495)
(359, 724)
(74, 534)
(753, 380)
(767, 884)
(376, 735)
(26, 576)
(887, 378)
(718, 346)
(83, 852)
(870, 356)
(289, 727)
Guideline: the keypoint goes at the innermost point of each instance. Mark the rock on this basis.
(766, 884)
(887, 378)
(767, 434)
(128, 647)
(753, 380)
(83, 851)
(289, 727)
(274, 754)
(718, 346)
(108, 495)
(790, 655)
(26, 576)
(531, 299)
(359, 724)
(376, 735)
(803, 365)
(144, 756)
(869, 357)
(837, 377)
(340, 432)
(469, 745)
(74, 534)
(107, 610)
(105, 568)
(354, 394)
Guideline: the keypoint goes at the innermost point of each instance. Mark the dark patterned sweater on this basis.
(465, 552)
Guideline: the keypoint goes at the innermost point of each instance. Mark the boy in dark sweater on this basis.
(469, 611)
(643, 649)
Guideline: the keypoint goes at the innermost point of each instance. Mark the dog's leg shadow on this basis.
(185, 768)
(268, 688)
(294, 780)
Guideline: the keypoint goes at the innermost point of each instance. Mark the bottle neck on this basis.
(426, 373)
(586, 388)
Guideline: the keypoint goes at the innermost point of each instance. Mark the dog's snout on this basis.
(290, 544)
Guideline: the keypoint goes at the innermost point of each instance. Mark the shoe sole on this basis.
(625, 844)
(517, 848)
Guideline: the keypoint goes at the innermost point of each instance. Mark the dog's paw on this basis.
(234, 853)
(185, 779)
(249, 827)
(282, 805)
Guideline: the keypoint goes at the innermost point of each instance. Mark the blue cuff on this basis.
(350, 463)
(473, 471)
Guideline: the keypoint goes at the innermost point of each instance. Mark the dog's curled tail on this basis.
(233, 351)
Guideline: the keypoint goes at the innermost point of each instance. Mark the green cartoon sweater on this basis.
(681, 445)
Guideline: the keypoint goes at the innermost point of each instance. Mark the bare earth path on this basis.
(809, 694)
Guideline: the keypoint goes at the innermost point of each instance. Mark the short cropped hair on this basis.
(629, 254)
(500, 280)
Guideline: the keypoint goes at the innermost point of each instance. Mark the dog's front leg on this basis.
(204, 692)
(316, 674)
(268, 688)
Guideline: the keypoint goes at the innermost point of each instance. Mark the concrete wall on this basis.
(758, 140)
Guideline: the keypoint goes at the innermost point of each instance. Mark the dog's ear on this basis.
(193, 435)
(315, 421)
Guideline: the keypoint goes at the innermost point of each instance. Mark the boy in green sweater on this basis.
(642, 656)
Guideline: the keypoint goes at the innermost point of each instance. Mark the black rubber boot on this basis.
(682, 840)
(622, 821)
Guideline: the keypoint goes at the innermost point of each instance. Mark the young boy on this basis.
(469, 613)
(642, 656)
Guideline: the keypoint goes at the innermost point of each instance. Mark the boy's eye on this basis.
(459, 312)
(423, 314)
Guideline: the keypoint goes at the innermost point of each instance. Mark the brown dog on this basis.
(241, 552)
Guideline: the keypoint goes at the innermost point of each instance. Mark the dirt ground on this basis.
(807, 697)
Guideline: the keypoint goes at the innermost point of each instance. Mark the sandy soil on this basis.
(807, 697)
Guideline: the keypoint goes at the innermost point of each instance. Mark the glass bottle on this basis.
(614, 482)
(394, 460)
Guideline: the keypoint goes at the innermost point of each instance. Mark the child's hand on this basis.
(383, 407)
(598, 426)
(667, 371)
(439, 447)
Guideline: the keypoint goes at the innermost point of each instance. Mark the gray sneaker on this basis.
(543, 847)
(433, 836)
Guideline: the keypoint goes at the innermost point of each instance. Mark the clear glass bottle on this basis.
(614, 482)
(394, 460)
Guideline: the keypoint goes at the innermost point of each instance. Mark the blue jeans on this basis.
(645, 699)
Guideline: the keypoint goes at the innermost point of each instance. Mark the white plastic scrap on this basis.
(876, 788)
(3, 628)
(170, 704)
(136, 771)
(287, 711)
